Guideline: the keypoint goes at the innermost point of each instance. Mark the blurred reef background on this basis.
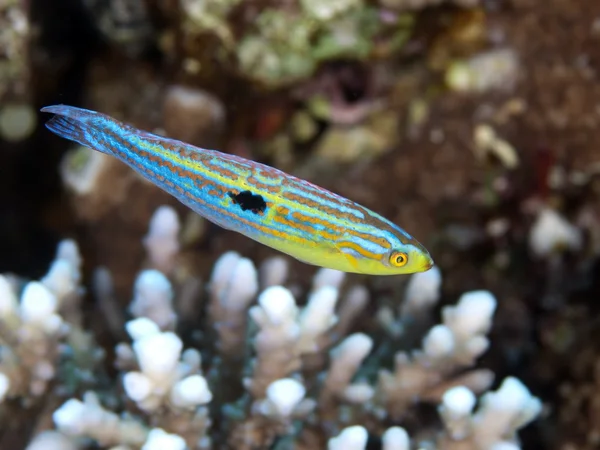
(128, 322)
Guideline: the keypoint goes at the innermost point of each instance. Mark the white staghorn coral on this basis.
(168, 383)
(467, 322)
(158, 439)
(273, 271)
(351, 438)
(346, 359)
(165, 376)
(190, 392)
(63, 280)
(233, 286)
(503, 412)
(395, 438)
(355, 438)
(52, 440)
(447, 347)
(317, 317)
(88, 418)
(276, 357)
(65, 273)
(306, 370)
(153, 298)
(552, 233)
(352, 305)
(287, 332)
(457, 405)
(422, 292)
(282, 398)
(40, 331)
(327, 277)
(140, 327)
(36, 328)
(162, 240)
(4, 386)
(38, 310)
(495, 424)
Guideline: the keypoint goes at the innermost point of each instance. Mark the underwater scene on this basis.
(299, 224)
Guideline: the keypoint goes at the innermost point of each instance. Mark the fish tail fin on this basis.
(79, 125)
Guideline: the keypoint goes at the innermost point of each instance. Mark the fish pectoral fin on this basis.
(315, 256)
(351, 259)
(305, 260)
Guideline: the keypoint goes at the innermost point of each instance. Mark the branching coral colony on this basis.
(266, 373)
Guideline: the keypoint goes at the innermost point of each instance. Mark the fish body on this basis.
(272, 207)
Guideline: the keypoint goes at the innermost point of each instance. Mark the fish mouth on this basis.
(427, 264)
(424, 260)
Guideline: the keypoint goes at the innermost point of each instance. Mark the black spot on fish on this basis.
(249, 201)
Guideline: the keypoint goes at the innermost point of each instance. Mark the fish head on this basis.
(387, 250)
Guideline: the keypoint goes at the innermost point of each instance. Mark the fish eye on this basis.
(398, 259)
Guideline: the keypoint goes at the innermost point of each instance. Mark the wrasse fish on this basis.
(272, 207)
